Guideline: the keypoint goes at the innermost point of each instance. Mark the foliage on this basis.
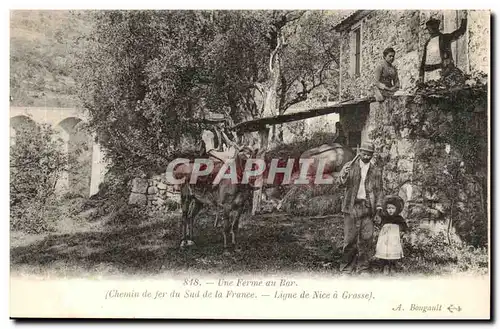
(448, 129)
(310, 60)
(113, 192)
(303, 61)
(162, 69)
(235, 58)
(423, 255)
(316, 200)
(296, 148)
(128, 216)
(37, 161)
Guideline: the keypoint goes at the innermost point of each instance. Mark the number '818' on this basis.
(191, 282)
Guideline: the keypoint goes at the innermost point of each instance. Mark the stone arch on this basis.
(20, 124)
(78, 147)
(69, 126)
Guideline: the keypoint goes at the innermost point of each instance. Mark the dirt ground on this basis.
(272, 243)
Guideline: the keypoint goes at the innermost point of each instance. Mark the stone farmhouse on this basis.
(366, 33)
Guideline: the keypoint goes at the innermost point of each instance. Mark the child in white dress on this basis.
(389, 247)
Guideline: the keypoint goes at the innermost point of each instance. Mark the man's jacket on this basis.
(373, 187)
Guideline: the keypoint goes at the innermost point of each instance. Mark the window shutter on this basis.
(462, 50)
(451, 22)
(352, 54)
(450, 25)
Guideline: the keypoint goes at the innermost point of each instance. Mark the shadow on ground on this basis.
(273, 243)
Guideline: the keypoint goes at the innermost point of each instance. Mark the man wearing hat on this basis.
(363, 199)
(437, 58)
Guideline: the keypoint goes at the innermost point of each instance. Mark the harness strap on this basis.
(213, 155)
(328, 149)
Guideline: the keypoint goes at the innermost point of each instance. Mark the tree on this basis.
(157, 71)
(303, 58)
(236, 59)
(145, 75)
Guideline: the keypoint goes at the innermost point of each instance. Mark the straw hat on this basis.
(367, 146)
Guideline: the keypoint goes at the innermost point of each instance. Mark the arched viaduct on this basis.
(88, 171)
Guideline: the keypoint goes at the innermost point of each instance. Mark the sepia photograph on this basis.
(250, 164)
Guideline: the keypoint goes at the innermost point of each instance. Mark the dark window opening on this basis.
(354, 139)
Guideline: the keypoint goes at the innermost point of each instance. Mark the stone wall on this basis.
(407, 150)
(404, 30)
(304, 129)
(154, 193)
(379, 30)
(479, 40)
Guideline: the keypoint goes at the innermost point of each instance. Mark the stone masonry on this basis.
(405, 31)
(154, 193)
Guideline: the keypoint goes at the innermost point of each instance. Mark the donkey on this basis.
(333, 156)
(225, 195)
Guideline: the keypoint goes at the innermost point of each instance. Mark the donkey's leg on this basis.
(194, 209)
(185, 201)
(236, 211)
(235, 214)
(216, 205)
(216, 221)
(227, 225)
(287, 195)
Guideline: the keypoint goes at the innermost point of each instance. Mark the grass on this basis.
(272, 243)
(268, 243)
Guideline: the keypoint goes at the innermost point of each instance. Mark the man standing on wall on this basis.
(437, 58)
(362, 202)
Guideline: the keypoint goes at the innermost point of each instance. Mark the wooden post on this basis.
(259, 182)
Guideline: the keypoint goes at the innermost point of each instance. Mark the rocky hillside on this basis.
(42, 51)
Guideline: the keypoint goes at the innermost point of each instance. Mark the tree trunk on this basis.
(259, 183)
(271, 92)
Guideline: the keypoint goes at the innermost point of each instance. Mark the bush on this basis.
(314, 201)
(113, 192)
(295, 149)
(429, 251)
(308, 200)
(431, 248)
(127, 216)
(36, 162)
(36, 216)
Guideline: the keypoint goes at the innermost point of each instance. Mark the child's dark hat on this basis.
(395, 200)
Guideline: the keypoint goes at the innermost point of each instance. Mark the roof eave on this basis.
(351, 20)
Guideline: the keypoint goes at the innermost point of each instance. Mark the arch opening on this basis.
(78, 147)
(19, 126)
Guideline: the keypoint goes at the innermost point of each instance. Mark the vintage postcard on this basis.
(250, 164)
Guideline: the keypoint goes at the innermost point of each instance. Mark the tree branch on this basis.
(297, 17)
(302, 95)
(329, 53)
(292, 81)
